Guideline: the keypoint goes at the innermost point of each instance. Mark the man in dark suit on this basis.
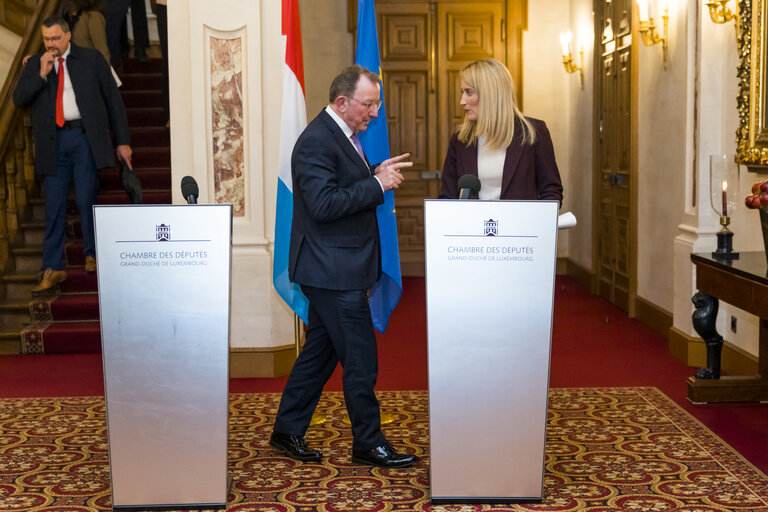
(76, 110)
(335, 257)
(117, 35)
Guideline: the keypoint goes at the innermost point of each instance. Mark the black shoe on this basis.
(140, 54)
(294, 447)
(384, 456)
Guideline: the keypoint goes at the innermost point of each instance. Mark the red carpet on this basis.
(587, 351)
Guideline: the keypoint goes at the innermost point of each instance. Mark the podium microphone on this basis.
(468, 184)
(189, 189)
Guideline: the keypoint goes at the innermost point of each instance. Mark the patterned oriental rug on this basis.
(608, 449)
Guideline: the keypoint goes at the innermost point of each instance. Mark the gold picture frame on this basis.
(752, 134)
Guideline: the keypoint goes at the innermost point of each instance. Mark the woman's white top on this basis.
(490, 168)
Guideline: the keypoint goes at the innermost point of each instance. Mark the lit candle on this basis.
(725, 199)
(642, 5)
(565, 44)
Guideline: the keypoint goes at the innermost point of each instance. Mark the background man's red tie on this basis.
(60, 95)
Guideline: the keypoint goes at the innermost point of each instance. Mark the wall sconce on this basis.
(570, 67)
(720, 13)
(648, 28)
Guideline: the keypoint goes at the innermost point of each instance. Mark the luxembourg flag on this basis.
(375, 140)
(294, 120)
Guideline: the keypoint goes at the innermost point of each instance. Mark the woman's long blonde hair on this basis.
(497, 108)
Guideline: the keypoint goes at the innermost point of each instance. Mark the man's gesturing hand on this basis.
(388, 171)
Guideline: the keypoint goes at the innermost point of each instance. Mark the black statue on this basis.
(704, 320)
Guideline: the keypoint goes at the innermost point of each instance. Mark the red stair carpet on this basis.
(587, 351)
(67, 321)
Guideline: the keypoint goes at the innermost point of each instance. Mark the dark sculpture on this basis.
(704, 320)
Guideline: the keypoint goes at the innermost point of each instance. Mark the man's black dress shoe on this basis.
(294, 447)
(140, 54)
(384, 456)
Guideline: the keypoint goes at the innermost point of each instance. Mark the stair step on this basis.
(65, 307)
(150, 137)
(13, 315)
(10, 343)
(142, 99)
(28, 259)
(149, 196)
(38, 209)
(34, 231)
(141, 81)
(151, 178)
(132, 66)
(151, 157)
(146, 116)
(18, 285)
(61, 338)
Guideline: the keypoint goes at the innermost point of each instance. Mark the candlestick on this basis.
(723, 169)
(643, 9)
(565, 44)
(725, 199)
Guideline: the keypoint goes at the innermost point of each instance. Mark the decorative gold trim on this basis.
(572, 67)
(720, 13)
(752, 135)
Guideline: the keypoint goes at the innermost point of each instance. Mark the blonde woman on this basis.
(511, 154)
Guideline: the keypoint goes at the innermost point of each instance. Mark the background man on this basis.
(335, 257)
(76, 109)
(117, 34)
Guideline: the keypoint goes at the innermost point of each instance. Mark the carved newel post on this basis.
(704, 320)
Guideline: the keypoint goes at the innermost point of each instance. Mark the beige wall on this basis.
(661, 165)
(546, 89)
(9, 45)
(551, 94)
(328, 48)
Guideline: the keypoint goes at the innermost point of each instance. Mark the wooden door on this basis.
(613, 93)
(423, 45)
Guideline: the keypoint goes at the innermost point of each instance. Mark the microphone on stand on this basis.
(189, 189)
(468, 184)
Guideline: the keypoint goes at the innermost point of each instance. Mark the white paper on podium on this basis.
(566, 220)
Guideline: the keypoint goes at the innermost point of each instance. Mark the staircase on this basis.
(66, 320)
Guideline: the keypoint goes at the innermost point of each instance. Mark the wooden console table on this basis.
(742, 283)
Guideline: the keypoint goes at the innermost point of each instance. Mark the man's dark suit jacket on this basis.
(101, 107)
(530, 170)
(335, 234)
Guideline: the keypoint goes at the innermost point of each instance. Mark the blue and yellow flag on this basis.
(386, 293)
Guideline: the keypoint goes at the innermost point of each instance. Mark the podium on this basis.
(164, 281)
(490, 268)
